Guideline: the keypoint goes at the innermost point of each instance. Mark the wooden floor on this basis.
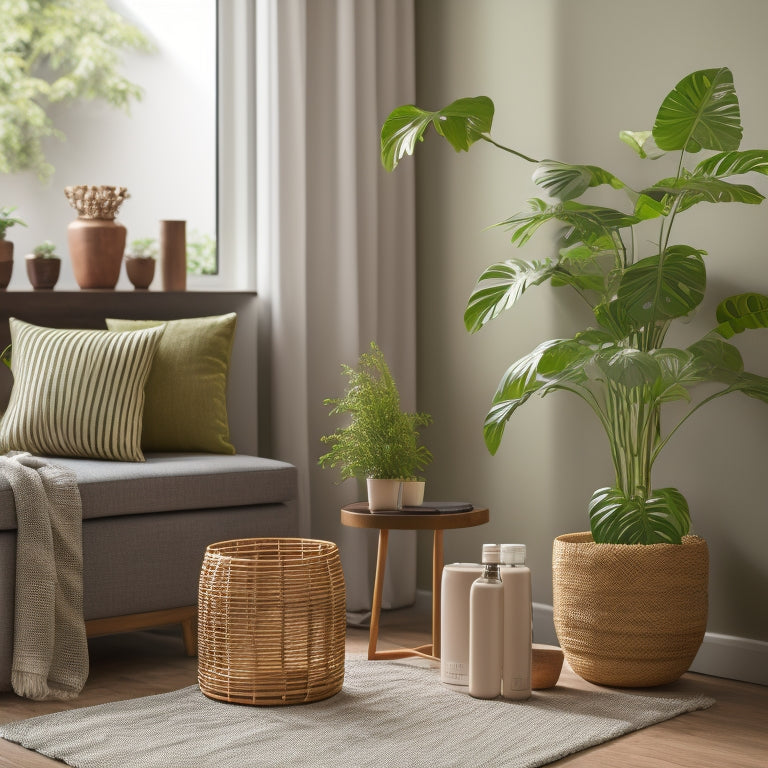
(734, 732)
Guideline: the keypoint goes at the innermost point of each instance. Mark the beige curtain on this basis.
(336, 261)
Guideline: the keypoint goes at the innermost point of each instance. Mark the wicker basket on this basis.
(272, 621)
(629, 615)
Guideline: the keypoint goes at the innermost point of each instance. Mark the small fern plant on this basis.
(380, 441)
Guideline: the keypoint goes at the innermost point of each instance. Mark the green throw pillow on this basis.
(186, 395)
(77, 392)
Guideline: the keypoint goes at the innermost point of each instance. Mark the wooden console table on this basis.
(358, 516)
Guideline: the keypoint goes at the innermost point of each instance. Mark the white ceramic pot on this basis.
(413, 493)
(384, 495)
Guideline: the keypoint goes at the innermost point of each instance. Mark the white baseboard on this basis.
(737, 658)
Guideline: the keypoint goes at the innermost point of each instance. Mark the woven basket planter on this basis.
(629, 615)
(272, 621)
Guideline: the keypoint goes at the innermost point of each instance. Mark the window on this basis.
(164, 152)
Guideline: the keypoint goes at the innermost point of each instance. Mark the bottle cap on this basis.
(513, 554)
(491, 553)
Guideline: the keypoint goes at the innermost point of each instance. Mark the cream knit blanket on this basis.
(50, 651)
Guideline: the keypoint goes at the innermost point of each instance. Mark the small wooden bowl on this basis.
(546, 664)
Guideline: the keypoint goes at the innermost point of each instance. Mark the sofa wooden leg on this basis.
(189, 630)
(186, 616)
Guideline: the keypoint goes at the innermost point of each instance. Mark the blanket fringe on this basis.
(29, 685)
(37, 687)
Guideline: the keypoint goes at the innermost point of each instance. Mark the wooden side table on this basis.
(358, 516)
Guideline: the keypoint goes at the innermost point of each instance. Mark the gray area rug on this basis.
(388, 715)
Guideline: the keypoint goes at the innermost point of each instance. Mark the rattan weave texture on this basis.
(272, 621)
(629, 614)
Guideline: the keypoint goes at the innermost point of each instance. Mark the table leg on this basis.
(437, 580)
(378, 590)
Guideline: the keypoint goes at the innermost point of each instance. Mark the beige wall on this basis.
(566, 77)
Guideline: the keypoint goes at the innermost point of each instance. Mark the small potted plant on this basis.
(43, 266)
(381, 442)
(140, 262)
(7, 220)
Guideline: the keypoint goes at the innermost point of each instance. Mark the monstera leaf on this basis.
(702, 112)
(733, 163)
(628, 368)
(551, 365)
(461, 123)
(642, 143)
(738, 313)
(500, 286)
(588, 223)
(690, 190)
(566, 182)
(662, 518)
(663, 287)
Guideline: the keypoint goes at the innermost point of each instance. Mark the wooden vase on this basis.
(43, 273)
(6, 263)
(96, 249)
(140, 271)
(173, 255)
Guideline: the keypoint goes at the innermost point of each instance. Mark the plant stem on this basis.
(484, 137)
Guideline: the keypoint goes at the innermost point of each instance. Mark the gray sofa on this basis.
(145, 529)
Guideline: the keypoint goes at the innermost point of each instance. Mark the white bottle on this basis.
(454, 621)
(516, 663)
(486, 606)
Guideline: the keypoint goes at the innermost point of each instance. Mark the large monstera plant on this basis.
(621, 365)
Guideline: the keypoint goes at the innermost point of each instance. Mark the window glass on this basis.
(164, 151)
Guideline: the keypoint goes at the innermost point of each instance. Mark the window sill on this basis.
(88, 308)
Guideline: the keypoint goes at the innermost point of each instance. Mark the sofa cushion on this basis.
(77, 392)
(170, 482)
(186, 394)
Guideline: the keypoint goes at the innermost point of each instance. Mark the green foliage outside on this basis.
(144, 247)
(636, 280)
(381, 441)
(201, 254)
(56, 51)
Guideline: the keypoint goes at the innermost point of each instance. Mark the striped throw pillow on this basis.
(77, 392)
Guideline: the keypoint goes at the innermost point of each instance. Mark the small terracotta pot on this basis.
(42, 273)
(96, 248)
(140, 271)
(6, 263)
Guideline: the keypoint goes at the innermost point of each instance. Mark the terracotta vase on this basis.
(43, 273)
(96, 249)
(140, 271)
(6, 263)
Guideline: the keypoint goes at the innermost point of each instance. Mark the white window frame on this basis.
(236, 151)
